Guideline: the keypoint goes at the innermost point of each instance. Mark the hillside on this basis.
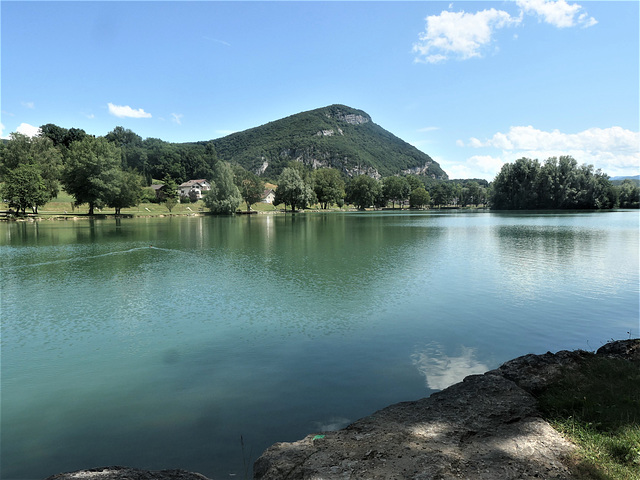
(335, 136)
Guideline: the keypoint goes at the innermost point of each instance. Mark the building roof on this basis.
(193, 183)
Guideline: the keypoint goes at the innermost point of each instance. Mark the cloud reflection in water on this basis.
(441, 370)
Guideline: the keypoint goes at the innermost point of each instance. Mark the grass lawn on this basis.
(63, 205)
(598, 408)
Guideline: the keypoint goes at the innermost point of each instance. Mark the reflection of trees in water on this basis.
(533, 258)
(441, 370)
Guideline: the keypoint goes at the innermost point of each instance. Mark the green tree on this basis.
(37, 151)
(169, 194)
(128, 191)
(419, 198)
(629, 194)
(328, 186)
(224, 197)
(250, 185)
(414, 182)
(441, 194)
(471, 194)
(132, 151)
(396, 189)
(92, 171)
(24, 188)
(558, 183)
(170, 202)
(292, 190)
(364, 191)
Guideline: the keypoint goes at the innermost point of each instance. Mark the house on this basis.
(197, 186)
(160, 191)
(268, 196)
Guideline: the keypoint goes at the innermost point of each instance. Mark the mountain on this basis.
(336, 136)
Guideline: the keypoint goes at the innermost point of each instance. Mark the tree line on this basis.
(558, 183)
(112, 170)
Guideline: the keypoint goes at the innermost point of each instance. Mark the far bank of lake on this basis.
(158, 342)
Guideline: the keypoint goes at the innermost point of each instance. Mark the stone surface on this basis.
(486, 427)
(483, 428)
(126, 473)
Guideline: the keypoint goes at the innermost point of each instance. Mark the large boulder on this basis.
(483, 428)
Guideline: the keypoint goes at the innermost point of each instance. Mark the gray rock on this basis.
(126, 473)
(627, 349)
(486, 427)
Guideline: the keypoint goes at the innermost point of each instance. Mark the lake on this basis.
(197, 342)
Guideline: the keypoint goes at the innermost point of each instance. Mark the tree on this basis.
(24, 187)
(224, 197)
(250, 185)
(292, 190)
(629, 194)
(169, 194)
(396, 189)
(471, 194)
(92, 171)
(128, 191)
(132, 151)
(328, 186)
(558, 183)
(414, 182)
(364, 191)
(62, 137)
(36, 151)
(441, 194)
(419, 198)
(170, 203)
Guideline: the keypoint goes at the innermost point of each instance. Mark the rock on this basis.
(627, 349)
(484, 428)
(126, 473)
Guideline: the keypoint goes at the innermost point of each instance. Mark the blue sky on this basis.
(473, 84)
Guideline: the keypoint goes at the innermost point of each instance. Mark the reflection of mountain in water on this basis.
(441, 370)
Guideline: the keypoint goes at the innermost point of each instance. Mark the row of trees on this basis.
(94, 172)
(558, 183)
(110, 171)
(299, 188)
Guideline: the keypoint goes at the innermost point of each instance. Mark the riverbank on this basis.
(486, 427)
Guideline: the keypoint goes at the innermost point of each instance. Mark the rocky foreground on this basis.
(484, 428)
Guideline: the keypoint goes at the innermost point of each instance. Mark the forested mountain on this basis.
(336, 136)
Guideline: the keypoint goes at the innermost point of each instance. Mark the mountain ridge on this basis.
(335, 136)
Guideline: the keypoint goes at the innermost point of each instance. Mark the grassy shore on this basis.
(598, 408)
(63, 207)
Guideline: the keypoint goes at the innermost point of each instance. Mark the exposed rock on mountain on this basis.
(336, 136)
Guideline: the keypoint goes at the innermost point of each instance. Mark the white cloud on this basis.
(614, 150)
(216, 40)
(30, 105)
(594, 140)
(460, 35)
(28, 130)
(428, 129)
(177, 117)
(122, 111)
(557, 13)
(2, 135)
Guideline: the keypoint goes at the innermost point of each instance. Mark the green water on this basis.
(158, 343)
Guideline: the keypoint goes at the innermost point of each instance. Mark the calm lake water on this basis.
(159, 342)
